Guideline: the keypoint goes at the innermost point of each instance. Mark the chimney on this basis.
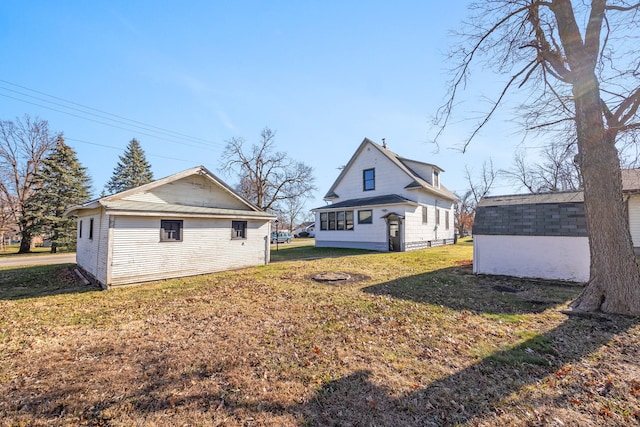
(384, 143)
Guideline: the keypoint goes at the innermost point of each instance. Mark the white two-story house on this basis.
(384, 202)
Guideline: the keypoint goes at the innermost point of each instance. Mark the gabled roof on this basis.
(389, 199)
(117, 203)
(418, 182)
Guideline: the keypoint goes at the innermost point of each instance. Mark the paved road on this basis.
(16, 261)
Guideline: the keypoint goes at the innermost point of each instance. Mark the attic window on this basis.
(436, 179)
(170, 230)
(368, 179)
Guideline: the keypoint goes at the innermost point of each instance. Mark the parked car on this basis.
(281, 237)
(308, 231)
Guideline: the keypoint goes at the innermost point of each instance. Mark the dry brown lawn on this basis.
(414, 340)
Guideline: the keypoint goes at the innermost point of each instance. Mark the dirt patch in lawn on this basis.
(337, 277)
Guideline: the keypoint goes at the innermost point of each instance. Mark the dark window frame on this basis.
(80, 229)
(342, 220)
(324, 220)
(239, 230)
(368, 220)
(171, 230)
(369, 182)
(348, 219)
(90, 228)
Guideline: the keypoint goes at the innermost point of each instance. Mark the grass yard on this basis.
(15, 247)
(413, 339)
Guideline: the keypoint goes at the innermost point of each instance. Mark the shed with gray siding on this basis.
(186, 224)
(532, 235)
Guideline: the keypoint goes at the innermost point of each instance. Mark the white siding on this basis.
(389, 179)
(194, 190)
(206, 246)
(374, 236)
(364, 236)
(90, 251)
(425, 171)
(634, 219)
(545, 257)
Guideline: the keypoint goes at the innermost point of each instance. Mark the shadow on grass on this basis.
(478, 390)
(160, 384)
(474, 392)
(40, 281)
(459, 289)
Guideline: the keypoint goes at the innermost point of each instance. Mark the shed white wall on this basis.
(206, 247)
(634, 219)
(91, 251)
(545, 257)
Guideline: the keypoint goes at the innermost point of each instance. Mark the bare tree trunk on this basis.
(614, 283)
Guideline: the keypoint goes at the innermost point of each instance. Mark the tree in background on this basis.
(556, 171)
(267, 178)
(581, 60)
(61, 182)
(23, 147)
(479, 187)
(131, 171)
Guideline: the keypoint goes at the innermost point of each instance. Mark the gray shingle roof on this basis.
(389, 199)
(549, 214)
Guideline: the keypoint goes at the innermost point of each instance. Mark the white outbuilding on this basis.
(186, 224)
(532, 235)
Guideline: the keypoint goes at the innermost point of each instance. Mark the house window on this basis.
(80, 230)
(91, 229)
(436, 179)
(324, 221)
(446, 220)
(348, 217)
(338, 220)
(368, 179)
(238, 230)
(437, 216)
(425, 215)
(332, 220)
(170, 230)
(365, 217)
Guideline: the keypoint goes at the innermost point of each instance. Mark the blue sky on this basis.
(323, 75)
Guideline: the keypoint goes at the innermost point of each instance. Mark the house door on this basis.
(394, 223)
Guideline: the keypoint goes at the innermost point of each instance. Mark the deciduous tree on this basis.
(580, 61)
(132, 170)
(23, 147)
(267, 178)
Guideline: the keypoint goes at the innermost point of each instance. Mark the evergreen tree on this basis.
(132, 170)
(61, 182)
